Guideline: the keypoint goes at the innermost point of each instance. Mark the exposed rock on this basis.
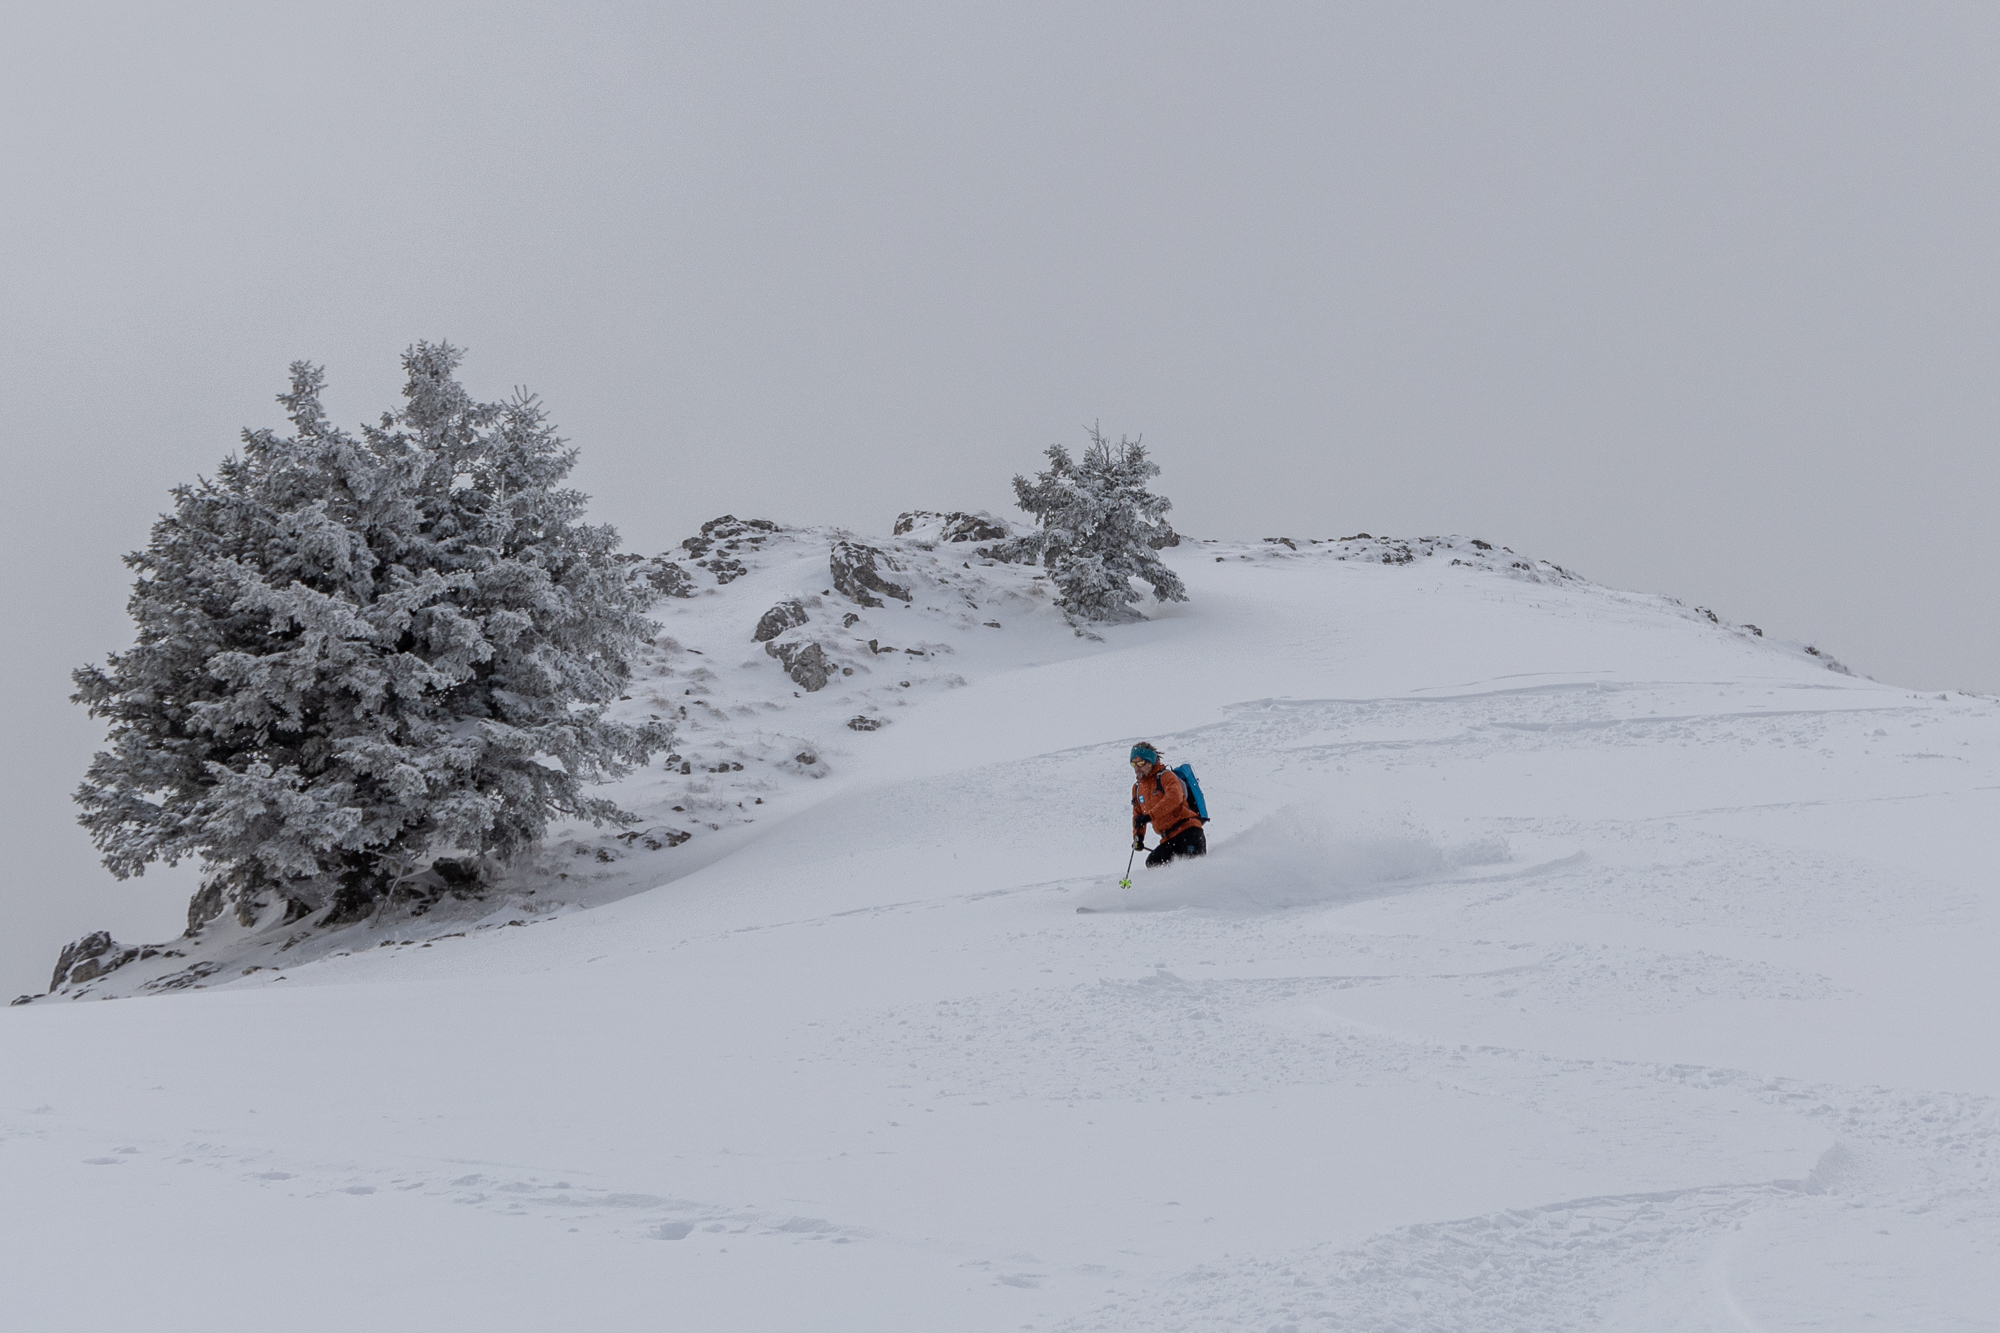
(805, 663)
(714, 550)
(1023, 550)
(729, 533)
(667, 578)
(192, 975)
(855, 573)
(246, 896)
(461, 876)
(956, 526)
(778, 619)
(980, 527)
(862, 722)
(352, 902)
(657, 838)
(206, 904)
(89, 958)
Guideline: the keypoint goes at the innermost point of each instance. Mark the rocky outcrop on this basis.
(667, 578)
(722, 542)
(1025, 549)
(783, 616)
(857, 572)
(928, 525)
(88, 959)
(729, 533)
(1832, 663)
(206, 904)
(461, 876)
(805, 662)
(246, 896)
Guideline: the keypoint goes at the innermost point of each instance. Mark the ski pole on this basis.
(1126, 882)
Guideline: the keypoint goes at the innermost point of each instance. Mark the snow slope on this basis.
(1565, 960)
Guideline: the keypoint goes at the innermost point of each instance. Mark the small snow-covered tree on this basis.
(354, 654)
(1099, 528)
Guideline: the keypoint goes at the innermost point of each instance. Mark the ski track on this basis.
(1642, 1260)
(551, 1197)
(1566, 1264)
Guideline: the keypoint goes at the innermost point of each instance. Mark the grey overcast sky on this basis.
(1694, 298)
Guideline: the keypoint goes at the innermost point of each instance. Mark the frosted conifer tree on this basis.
(356, 654)
(1098, 527)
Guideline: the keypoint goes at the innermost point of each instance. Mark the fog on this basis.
(1694, 299)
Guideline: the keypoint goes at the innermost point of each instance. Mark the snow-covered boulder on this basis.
(929, 527)
(783, 616)
(804, 661)
(856, 570)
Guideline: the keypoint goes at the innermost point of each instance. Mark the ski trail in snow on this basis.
(1656, 1260)
(1717, 1280)
(1556, 1266)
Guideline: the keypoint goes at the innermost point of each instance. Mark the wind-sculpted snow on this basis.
(1565, 958)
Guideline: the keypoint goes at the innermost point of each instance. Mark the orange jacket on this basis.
(1162, 800)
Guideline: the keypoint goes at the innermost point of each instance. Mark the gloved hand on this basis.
(1139, 843)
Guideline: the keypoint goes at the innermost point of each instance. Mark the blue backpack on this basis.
(1185, 772)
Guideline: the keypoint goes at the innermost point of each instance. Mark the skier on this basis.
(1160, 798)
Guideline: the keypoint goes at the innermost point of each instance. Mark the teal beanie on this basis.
(1145, 752)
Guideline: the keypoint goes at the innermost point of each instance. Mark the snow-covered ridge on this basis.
(1563, 958)
(1476, 554)
(781, 650)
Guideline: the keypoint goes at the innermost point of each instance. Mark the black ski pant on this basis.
(1188, 842)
